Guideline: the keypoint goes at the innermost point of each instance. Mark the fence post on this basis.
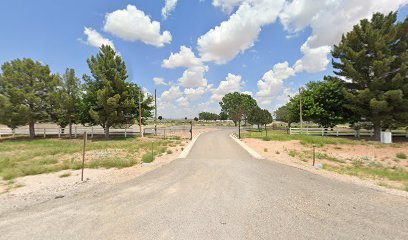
(91, 132)
(44, 133)
(290, 131)
(406, 132)
(59, 132)
(337, 132)
(75, 131)
(322, 132)
(307, 131)
(125, 133)
(83, 156)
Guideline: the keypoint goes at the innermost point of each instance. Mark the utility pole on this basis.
(301, 117)
(140, 116)
(155, 113)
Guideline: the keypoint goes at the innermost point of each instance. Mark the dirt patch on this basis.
(337, 157)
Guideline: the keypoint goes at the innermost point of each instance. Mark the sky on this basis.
(192, 51)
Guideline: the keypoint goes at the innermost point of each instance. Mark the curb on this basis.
(248, 149)
(187, 150)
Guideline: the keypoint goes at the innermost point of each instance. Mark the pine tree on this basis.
(26, 86)
(107, 100)
(374, 56)
(67, 101)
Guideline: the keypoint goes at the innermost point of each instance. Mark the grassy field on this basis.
(319, 141)
(389, 172)
(30, 157)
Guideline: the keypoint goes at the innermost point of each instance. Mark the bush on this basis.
(148, 158)
(401, 155)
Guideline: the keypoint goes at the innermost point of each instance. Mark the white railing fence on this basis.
(342, 132)
(91, 131)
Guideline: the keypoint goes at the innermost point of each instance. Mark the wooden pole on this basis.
(191, 130)
(301, 117)
(239, 129)
(314, 154)
(155, 113)
(83, 156)
(140, 117)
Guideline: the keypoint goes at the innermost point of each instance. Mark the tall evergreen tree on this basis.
(67, 101)
(108, 99)
(26, 86)
(374, 57)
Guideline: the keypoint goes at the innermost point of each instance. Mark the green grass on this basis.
(30, 157)
(148, 158)
(65, 175)
(401, 155)
(319, 141)
(376, 172)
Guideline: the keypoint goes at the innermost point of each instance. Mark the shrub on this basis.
(401, 155)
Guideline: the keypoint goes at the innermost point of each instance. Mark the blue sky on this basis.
(267, 48)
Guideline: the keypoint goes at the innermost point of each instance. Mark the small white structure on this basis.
(386, 137)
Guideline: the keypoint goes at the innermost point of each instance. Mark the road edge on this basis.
(252, 152)
(190, 145)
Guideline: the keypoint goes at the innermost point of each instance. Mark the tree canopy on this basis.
(373, 61)
(26, 86)
(237, 105)
(66, 100)
(208, 116)
(110, 100)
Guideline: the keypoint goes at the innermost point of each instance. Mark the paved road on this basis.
(218, 192)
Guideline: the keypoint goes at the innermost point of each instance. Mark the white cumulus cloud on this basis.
(232, 83)
(171, 94)
(239, 32)
(184, 58)
(159, 81)
(131, 24)
(272, 82)
(95, 39)
(328, 20)
(194, 77)
(168, 7)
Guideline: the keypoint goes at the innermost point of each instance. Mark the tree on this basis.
(146, 105)
(324, 102)
(160, 118)
(282, 114)
(223, 116)
(374, 58)
(266, 118)
(26, 86)
(67, 101)
(208, 116)
(109, 100)
(256, 116)
(196, 119)
(237, 106)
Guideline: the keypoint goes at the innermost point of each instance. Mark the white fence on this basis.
(60, 132)
(181, 131)
(342, 132)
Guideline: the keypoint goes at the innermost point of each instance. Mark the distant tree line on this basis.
(371, 82)
(30, 93)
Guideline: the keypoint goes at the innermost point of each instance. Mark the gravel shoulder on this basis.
(278, 151)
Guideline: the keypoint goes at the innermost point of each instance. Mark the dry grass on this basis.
(30, 157)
